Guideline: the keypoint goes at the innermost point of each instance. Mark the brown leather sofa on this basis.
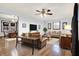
(39, 43)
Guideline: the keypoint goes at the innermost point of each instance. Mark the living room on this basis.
(27, 26)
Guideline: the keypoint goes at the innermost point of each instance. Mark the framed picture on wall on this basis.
(8, 26)
(56, 25)
(49, 25)
(23, 25)
(63, 25)
(39, 26)
(4, 25)
(12, 24)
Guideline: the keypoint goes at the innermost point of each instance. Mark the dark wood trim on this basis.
(17, 31)
(75, 48)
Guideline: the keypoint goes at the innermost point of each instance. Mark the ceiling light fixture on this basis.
(44, 12)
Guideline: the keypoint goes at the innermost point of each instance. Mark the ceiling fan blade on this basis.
(49, 13)
(48, 10)
(37, 10)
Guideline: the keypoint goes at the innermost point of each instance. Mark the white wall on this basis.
(28, 21)
(22, 19)
(68, 20)
(43, 23)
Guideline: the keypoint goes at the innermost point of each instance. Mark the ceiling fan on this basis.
(44, 12)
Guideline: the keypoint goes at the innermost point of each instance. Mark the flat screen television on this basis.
(33, 27)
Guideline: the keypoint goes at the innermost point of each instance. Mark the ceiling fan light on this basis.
(41, 15)
(44, 12)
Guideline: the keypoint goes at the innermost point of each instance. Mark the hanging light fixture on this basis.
(44, 12)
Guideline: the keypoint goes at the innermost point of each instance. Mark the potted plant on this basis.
(45, 30)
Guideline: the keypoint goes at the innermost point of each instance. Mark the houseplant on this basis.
(45, 30)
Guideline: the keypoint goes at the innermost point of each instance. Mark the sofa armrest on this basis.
(43, 39)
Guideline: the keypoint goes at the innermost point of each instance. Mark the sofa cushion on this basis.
(43, 39)
(25, 34)
(34, 34)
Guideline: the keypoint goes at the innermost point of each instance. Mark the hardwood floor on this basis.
(51, 49)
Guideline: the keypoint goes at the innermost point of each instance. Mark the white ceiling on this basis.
(60, 10)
